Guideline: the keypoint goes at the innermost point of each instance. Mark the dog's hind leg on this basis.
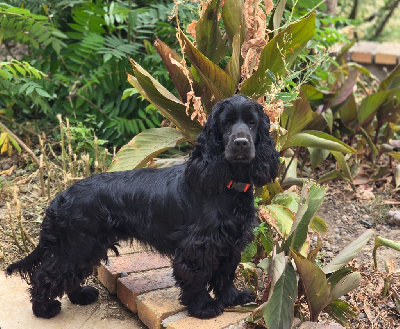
(44, 291)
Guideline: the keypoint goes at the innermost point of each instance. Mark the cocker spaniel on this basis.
(201, 214)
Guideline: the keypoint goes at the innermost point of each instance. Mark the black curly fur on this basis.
(185, 212)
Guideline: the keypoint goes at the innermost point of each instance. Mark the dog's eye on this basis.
(226, 123)
(251, 122)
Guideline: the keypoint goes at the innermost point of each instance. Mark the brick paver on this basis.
(156, 306)
(137, 262)
(130, 287)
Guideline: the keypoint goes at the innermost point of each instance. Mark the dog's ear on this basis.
(264, 167)
(207, 170)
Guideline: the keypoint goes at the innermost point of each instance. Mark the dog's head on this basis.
(236, 135)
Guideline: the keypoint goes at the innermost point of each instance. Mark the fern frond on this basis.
(16, 69)
(21, 25)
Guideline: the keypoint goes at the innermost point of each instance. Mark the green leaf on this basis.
(208, 35)
(342, 163)
(217, 80)
(392, 81)
(288, 43)
(298, 115)
(282, 218)
(233, 66)
(311, 198)
(233, 18)
(348, 111)
(167, 103)
(179, 78)
(316, 287)
(278, 313)
(330, 175)
(317, 156)
(317, 139)
(348, 253)
(345, 285)
(340, 310)
(335, 277)
(370, 104)
(346, 89)
(318, 225)
(145, 146)
(249, 252)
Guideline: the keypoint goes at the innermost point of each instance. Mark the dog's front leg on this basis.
(222, 283)
(192, 273)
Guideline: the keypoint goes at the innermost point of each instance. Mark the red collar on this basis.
(238, 186)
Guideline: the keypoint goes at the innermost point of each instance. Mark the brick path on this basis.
(368, 52)
(143, 282)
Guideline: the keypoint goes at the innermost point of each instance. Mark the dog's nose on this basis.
(241, 142)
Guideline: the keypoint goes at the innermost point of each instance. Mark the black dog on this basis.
(201, 214)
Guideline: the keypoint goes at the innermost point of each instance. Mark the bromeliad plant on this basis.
(231, 53)
(284, 239)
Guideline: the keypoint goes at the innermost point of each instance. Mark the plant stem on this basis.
(20, 143)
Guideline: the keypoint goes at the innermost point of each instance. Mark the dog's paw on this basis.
(84, 296)
(243, 297)
(47, 310)
(208, 310)
(235, 297)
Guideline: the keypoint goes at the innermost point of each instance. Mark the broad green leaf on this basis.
(233, 66)
(343, 51)
(392, 81)
(312, 93)
(179, 78)
(281, 218)
(371, 104)
(290, 42)
(346, 89)
(278, 312)
(330, 175)
(287, 199)
(316, 287)
(264, 264)
(340, 310)
(311, 198)
(145, 146)
(208, 35)
(374, 149)
(291, 167)
(318, 225)
(233, 18)
(298, 115)
(348, 253)
(342, 163)
(279, 264)
(276, 18)
(166, 103)
(335, 277)
(348, 111)
(218, 81)
(317, 156)
(317, 139)
(345, 285)
(249, 252)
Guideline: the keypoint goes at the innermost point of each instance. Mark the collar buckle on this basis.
(238, 186)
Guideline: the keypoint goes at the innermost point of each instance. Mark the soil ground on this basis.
(347, 214)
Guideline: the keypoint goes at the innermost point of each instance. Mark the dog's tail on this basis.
(26, 266)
